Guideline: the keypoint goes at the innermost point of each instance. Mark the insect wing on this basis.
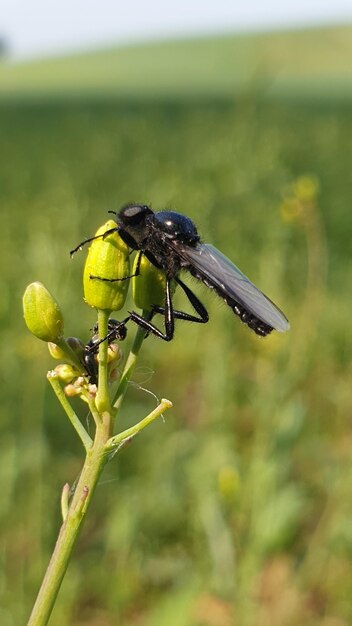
(217, 271)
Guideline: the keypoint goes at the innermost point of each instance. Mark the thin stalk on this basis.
(102, 399)
(115, 441)
(93, 466)
(76, 423)
(130, 365)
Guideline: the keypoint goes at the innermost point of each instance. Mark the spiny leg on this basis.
(170, 314)
(83, 243)
(117, 331)
(114, 280)
(194, 301)
(169, 318)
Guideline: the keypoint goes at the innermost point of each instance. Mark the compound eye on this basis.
(132, 211)
(133, 214)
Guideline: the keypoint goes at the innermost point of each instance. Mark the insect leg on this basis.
(195, 302)
(169, 318)
(116, 331)
(114, 280)
(80, 245)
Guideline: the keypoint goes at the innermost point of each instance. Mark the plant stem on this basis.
(113, 442)
(76, 423)
(102, 399)
(130, 365)
(93, 466)
(97, 454)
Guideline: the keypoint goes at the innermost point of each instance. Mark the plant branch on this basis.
(102, 399)
(115, 441)
(93, 466)
(76, 423)
(130, 365)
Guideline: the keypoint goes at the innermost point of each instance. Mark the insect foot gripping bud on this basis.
(148, 288)
(108, 258)
(42, 313)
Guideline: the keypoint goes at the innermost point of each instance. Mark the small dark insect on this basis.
(170, 241)
(116, 332)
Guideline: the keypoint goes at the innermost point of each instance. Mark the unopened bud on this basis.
(55, 351)
(148, 288)
(71, 391)
(108, 258)
(66, 372)
(42, 313)
(114, 353)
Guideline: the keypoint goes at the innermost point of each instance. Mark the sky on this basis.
(34, 28)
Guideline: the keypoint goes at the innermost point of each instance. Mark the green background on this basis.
(237, 508)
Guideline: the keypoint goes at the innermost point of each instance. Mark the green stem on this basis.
(130, 365)
(114, 442)
(97, 454)
(93, 466)
(102, 399)
(77, 425)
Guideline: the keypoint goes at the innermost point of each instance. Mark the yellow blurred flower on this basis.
(229, 482)
(306, 188)
(290, 209)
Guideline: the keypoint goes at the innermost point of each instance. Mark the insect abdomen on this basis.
(253, 322)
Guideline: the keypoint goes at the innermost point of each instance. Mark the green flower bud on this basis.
(66, 372)
(55, 351)
(71, 391)
(42, 313)
(107, 258)
(114, 353)
(149, 287)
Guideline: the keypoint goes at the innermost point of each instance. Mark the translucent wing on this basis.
(219, 273)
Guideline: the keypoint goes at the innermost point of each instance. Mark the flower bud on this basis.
(148, 288)
(71, 391)
(66, 372)
(107, 258)
(76, 387)
(114, 353)
(55, 351)
(42, 313)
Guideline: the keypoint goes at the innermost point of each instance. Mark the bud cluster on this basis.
(106, 280)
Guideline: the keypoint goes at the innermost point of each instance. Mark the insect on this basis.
(116, 331)
(170, 241)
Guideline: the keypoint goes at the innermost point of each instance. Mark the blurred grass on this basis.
(237, 509)
(310, 63)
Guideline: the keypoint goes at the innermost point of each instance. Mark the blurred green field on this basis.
(237, 508)
(313, 63)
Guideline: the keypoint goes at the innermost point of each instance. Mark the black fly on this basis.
(170, 241)
(116, 331)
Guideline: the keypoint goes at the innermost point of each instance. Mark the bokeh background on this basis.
(235, 510)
